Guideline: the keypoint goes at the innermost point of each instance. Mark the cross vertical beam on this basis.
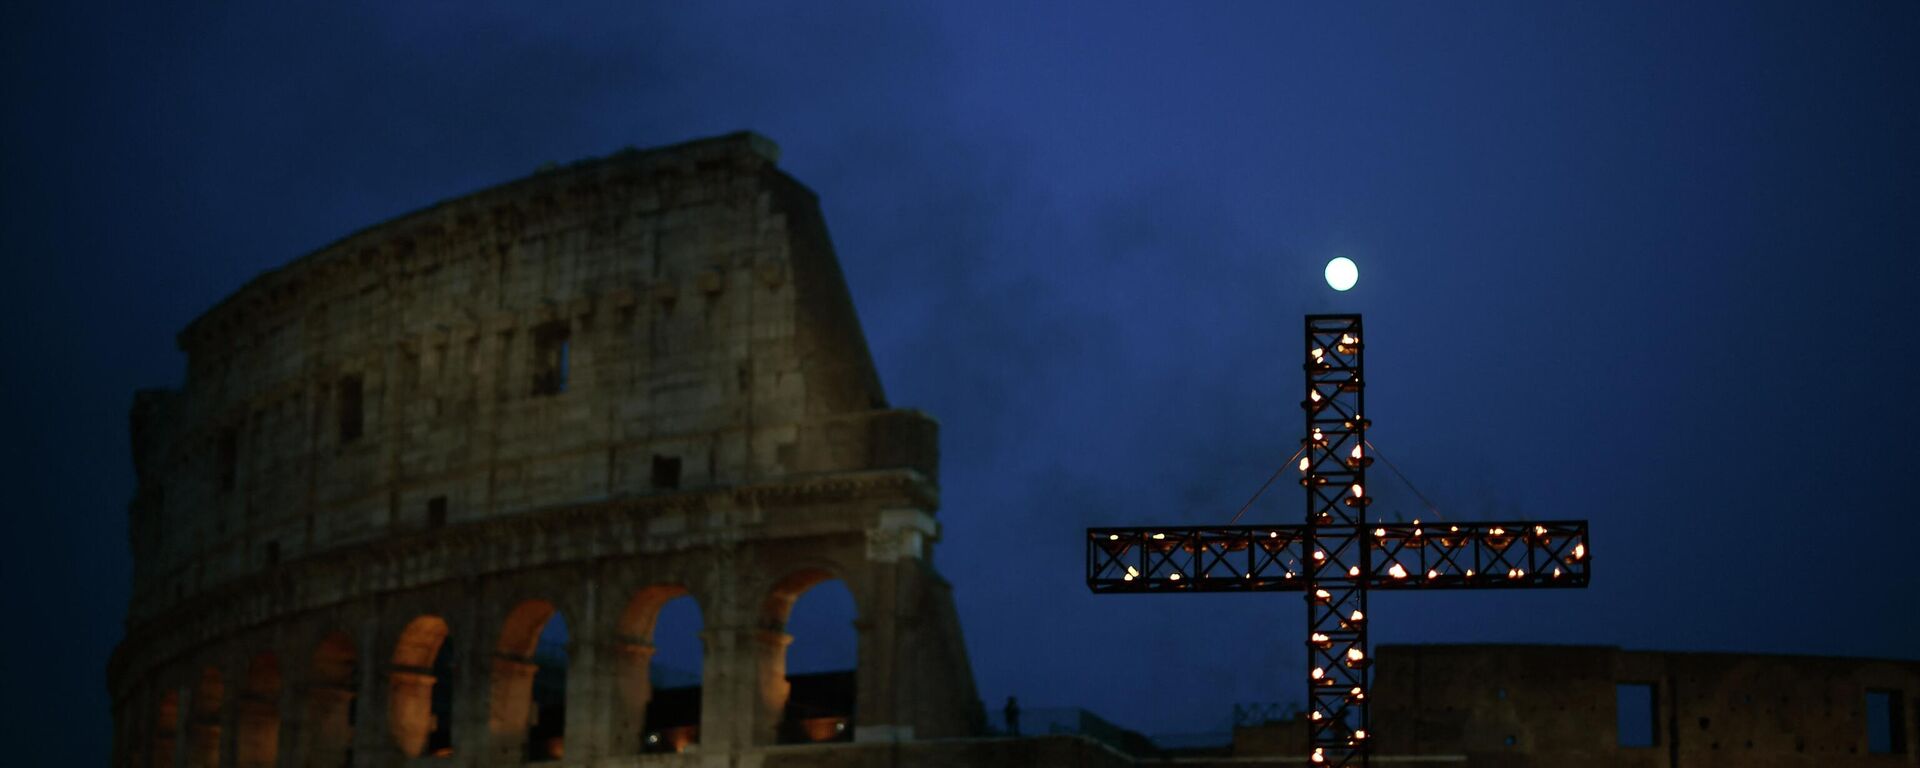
(1334, 465)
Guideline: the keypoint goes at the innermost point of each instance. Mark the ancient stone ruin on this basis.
(588, 392)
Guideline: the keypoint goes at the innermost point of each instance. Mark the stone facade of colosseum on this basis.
(589, 392)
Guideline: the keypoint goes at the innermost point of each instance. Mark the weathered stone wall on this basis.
(707, 321)
(1557, 703)
(378, 446)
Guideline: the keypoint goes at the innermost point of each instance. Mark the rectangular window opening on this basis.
(666, 472)
(436, 512)
(1636, 714)
(352, 408)
(1886, 723)
(229, 458)
(551, 349)
(273, 553)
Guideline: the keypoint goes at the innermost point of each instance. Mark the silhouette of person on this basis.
(1012, 713)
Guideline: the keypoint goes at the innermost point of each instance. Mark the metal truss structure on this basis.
(1337, 557)
(1543, 554)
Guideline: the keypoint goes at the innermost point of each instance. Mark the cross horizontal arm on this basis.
(1486, 555)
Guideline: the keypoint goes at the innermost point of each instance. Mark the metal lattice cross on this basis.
(1337, 556)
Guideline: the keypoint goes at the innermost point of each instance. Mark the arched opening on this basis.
(818, 613)
(420, 697)
(166, 729)
(528, 705)
(331, 703)
(546, 736)
(661, 659)
(259, 739)
(208, 696)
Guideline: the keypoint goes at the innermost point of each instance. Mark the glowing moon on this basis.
(1342, 273)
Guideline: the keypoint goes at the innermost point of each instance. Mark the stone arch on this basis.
(419, 696)
(520, 630)
(778, 604)
(332, 683)
(821, 706)
(673, 722)
(643, 609)
(166, 729)
(258, 742)
(526, 702)
(209, 695)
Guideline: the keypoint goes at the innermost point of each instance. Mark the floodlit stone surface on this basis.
(583, 392)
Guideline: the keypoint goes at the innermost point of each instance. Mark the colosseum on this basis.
(583, 396)
(585, 393)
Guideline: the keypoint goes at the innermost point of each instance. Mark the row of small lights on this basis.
(1396, 570)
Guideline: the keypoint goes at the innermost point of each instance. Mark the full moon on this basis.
(1342, 273)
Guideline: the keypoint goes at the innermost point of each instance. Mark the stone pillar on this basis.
(293, 715)
(725, 689)
(889, 602)
(183, 721)
(327, 731)
(373, 742)
(881, 682)
(408, 721)
(592, 693)
(473, 647)
(744, 687)
(209, 731)
(509, 707)
(769, 649)
(631, 691)
(256, 731)
(232, 714)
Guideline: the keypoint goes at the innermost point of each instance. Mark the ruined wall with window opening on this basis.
(1520, 706)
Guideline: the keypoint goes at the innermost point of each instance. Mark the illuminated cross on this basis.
(1337, 556)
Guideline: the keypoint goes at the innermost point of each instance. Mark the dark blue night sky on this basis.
(1653, 265)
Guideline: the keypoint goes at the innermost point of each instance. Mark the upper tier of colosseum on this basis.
(645, 324)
